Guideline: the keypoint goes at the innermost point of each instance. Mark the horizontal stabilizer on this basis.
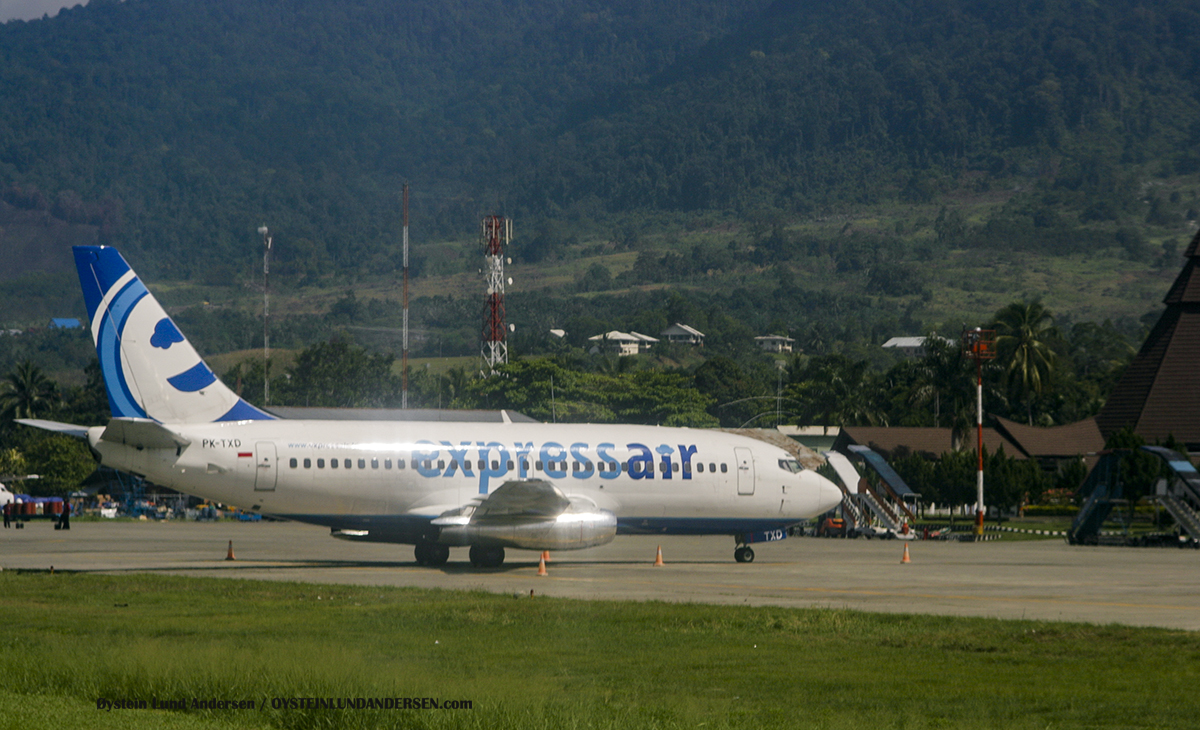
(66, 429)
(142, 433)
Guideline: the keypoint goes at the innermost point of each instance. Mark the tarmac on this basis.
(1037, 580)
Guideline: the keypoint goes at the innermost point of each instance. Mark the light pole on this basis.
(266, 235)
(979, 345)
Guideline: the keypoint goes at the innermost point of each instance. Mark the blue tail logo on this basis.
(150, 369)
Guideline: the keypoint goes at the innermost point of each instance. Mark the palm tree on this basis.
(27, 392)
(1023, 331)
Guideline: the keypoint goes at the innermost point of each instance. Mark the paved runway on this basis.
(1036, 580)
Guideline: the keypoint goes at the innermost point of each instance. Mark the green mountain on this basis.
(839, 171)
(176, 126)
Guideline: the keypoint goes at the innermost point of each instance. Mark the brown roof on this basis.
(1159, 394)
(930, 441)
(1073, 439)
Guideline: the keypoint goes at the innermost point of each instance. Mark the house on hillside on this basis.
(775, 343)
(682, 334)
(912, 347)
(621, 344)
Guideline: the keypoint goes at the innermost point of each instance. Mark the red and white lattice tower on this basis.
(496, 233)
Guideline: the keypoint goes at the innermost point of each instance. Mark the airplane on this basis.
(433, 485)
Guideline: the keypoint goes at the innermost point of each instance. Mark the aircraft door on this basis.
(745, 470)
(265, 466)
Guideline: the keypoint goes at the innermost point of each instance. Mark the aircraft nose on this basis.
(828, 496)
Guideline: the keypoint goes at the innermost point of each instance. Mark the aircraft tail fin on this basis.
(150, 369)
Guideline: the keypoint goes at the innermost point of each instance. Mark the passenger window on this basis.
(482, 465)
(399, 463)
(496, 466)
(374, 463)
(713, 467)
(333, 463)
(662, 467)
(308, 463)
(510, 465)
(346, 463)
(700, 467)
(576, 466)
(724, 468)
(387, 463)
(538, 465)
(320, 463)
(293, 463)
(675, 468)
(441, 464)
(687, 467)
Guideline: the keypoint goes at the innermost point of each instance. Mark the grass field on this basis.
(525, 662)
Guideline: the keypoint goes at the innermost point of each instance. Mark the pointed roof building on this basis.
(1159, 394)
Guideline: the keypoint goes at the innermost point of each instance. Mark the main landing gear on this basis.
(431, 553)
(743, 554)
(483, 556)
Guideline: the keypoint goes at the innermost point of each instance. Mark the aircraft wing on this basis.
(511, 502)
(527, 499)
(66, 429)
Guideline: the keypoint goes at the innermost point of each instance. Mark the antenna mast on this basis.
(497, 230)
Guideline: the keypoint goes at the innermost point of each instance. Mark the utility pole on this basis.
(404, 351)
(979, 345)
(266, 234)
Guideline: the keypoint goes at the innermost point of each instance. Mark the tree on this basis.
(61, 462)
(27, 393)
(836, 391)
(1023, 330)
(338, 374)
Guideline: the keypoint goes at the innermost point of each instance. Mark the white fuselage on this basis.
(652, 478)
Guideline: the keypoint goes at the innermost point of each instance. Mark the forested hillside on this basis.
(174, 126)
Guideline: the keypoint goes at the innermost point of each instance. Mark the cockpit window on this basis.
(791, 465)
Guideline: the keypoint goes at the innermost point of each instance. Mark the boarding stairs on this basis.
(863, 503)
(1178, 493)
(851, 510)
(1186, 517)
(1101, 488)
(869, 499)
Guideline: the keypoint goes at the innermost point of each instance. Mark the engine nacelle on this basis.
(571, 530)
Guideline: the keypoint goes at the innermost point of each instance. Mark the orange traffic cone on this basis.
(229, 555)
(905, 559)
(658, 558)
(542, 566)
(546, 555)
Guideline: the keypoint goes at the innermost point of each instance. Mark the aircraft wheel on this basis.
(431, 553)
(438, 554)
(486, 556)
(744, 554)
